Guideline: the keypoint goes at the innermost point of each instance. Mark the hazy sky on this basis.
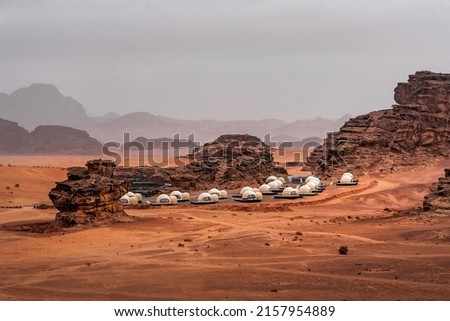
(223, 59)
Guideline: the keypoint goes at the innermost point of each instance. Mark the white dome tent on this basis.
(273, 186)
(223, 194)
(214, 191)
(289, 193)
(311, 178)
(134, 200)
(305, 190)
(349, 174)
(164, 199)
(318, 186)
(249, 196)
(347, 179)
(125, 200)
(177, 194)
(245, 189)
(271, 179)
(280, 183)
(173, 200)
(206, 198)
(181, 197)
(266, 189)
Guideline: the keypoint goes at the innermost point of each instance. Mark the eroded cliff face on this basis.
(90, 196)
(438, 200)
(231, 161)
(411, 133)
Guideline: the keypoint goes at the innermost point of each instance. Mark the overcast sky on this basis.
(223, 59)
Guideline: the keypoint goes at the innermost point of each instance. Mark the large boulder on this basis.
(411, 133)
(90, 195)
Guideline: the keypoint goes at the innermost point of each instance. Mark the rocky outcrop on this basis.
(90, 196)
(411, 133)
(46, 140)
(12, 137)
(231, 161)
(439, 198)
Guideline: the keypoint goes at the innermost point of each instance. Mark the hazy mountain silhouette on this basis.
(42, 104)
(49, 139)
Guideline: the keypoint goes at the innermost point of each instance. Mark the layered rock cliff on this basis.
(439, 198)
(411, 133)
(46, 140)
(90, 195)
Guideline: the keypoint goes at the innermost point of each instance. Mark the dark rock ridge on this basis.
(412, 133)
(90, 196)
(439, 198)
(46, 140)
(231, 161)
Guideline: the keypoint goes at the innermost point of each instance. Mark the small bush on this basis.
(7, 187)
(17, 185)
(343, 250)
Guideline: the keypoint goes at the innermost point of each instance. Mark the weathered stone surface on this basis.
(409, 134)
(231, 161)
(46, 140)
(439, 198)
(90, 195)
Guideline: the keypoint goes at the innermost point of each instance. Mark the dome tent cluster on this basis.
(131, 198)
(175, 197)
(272, 186)
(276, 186)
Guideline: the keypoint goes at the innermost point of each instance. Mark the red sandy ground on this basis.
(275, 250)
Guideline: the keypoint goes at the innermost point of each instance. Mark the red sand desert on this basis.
(275, 250)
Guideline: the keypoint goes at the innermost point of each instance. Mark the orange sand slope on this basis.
(283, 250)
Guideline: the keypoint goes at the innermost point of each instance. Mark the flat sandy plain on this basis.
(275, 250)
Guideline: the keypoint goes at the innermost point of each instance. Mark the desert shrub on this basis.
(343, 250)
(17, 185)
(7, 187)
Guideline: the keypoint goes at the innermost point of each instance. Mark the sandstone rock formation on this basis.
(46, 140)
(412, 133)
(89, 196)
(439, 198)
(231, 161)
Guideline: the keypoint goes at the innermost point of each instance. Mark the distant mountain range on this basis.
(43, 104)
(50, 139)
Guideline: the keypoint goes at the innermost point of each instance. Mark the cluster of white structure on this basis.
(250, 193)
(275, 183)
(181, 196)
(131, 198)
(311, 186)
(212, 196)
